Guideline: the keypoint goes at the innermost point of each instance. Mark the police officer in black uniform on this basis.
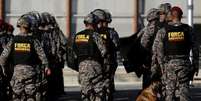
(55, 44)
(111, 40)
(90, 51)
(5, 37)
(172, 49)
(25, 53)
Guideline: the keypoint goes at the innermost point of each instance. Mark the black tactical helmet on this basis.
(53, 21)
(91, 19)
(166, 7)
(108, 16)
(36, 16)
(35, 19)
(153, 14)
(100, 14)
(46, 18)
(24, 21)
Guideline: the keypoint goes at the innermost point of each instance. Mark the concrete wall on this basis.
(15, 8)
(122, 11)
(181, 3)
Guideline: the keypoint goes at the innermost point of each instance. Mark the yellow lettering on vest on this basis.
(175, 36)
(82, 38)
(104, 36)
(23, 47)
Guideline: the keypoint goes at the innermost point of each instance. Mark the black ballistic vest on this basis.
(177, 40)
(23, 51)
(85, 46)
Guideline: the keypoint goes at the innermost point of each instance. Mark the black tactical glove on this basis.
(3, 71)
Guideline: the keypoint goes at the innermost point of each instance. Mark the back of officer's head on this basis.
(91, 20)
(24, 24)
(176, 12)
(100, 13)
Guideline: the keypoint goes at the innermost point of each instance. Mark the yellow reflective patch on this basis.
(82, 38)
(175, 36)
(104, 36)
(24, 47)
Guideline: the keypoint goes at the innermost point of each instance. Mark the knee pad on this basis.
(38, 96)
(16, 97)
(30, 99)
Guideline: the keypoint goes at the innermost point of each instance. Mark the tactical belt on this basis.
(169, 57)
(99, 59)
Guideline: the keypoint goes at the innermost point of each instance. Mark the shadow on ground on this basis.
(124, 95)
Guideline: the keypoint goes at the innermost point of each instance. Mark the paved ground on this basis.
(127, 85)
(123, 94)
(121, 78)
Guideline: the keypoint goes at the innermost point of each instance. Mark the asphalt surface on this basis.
(123, 93)
(127, 86)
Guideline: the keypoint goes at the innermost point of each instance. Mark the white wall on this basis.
(15, 8)
(122, 11)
